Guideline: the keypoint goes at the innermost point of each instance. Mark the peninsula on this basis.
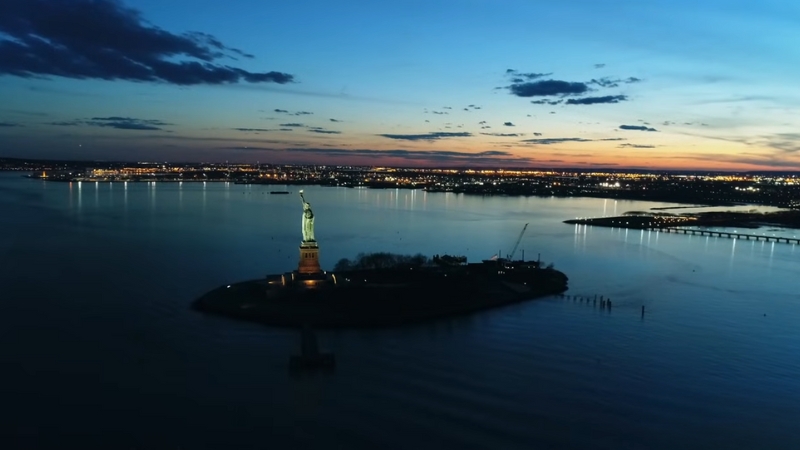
(379, 290)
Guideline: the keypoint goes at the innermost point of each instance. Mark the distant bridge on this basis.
(726, 234)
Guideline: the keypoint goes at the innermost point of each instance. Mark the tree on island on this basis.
(381, 260)
(448, 260)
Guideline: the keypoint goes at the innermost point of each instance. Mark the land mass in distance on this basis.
(709, 219)
(719, 188)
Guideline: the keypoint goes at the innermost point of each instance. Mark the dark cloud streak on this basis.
(547, 102)
(635, 146)
(551, 141)
(120, 123)
(597, 100)
(437, 156)
(426, 137)
(103, 39)
(325, 131)
(607, 82)
(546, 88)
(636, 128)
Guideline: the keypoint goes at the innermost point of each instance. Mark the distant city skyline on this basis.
(661, 85)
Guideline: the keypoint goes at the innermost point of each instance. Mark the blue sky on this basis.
(574, 83)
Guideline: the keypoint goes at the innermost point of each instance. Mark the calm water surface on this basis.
(99, 348)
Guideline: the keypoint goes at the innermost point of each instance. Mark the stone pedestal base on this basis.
(309, 258)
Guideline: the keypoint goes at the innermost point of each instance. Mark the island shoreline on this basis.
(371, 307)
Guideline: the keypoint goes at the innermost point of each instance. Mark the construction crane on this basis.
(519, 239)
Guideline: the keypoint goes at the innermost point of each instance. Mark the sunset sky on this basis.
(680, 84)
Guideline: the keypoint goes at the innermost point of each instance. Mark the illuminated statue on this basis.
(308, 220)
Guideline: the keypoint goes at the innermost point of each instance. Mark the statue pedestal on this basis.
(309, 258)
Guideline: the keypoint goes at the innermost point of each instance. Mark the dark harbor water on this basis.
(100, 349)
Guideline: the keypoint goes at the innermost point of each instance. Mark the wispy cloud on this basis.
(766, 161)
(519, 77)
(608, 82)
(292, 113)
(490, 157)
(551, 141)
(597, 100)
(316, 130)
(547, 102)
(26, 113)
(785, 142)
(432, 136)
(626, 145)
(254, 129)
(120, 123)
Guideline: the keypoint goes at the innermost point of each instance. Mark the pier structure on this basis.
(726, 234)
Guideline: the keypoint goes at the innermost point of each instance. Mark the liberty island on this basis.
(408, 290)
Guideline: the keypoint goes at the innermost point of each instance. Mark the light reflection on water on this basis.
(110, 329)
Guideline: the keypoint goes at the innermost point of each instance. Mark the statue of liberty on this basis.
(308, 220)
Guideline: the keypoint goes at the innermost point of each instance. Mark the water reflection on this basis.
(530, 360)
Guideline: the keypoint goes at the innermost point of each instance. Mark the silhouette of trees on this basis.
(448, 260)
(381, 260)
(342, 265)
